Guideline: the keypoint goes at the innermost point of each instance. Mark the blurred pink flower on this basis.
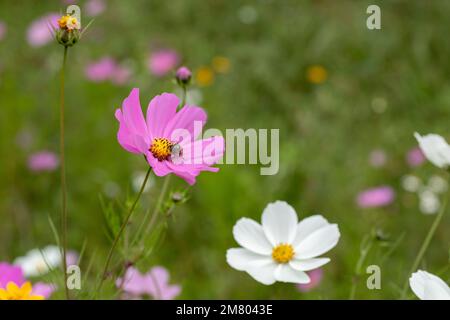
(39, 32)
(2, 30)
(163, 61)
(375, 197)
(121, 75)
(316, 276)
(107, 69)
(95, 7)
(9, 273)
(166, 137)
(12, 273)
(101, 70)
(43, 289)
(43, 161)
(415, 157)
(154, 283)
(377, 158)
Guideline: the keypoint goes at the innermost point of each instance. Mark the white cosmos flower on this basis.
(427, 286)
(38, 262)
(435, 149)
(281, 249)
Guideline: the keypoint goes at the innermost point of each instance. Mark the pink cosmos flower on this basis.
(95, 7)
(2, 30)
(39, 32)
(43, 161)
(415, 157)
(376, 197)
(12, 273)
(107, 69)
(100, 70)
(154, 283)
(167, 138)
(121, 75)
(163, 61)
(316, 276)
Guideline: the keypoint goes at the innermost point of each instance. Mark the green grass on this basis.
(326, 131)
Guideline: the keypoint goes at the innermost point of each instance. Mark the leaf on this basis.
(112, 217)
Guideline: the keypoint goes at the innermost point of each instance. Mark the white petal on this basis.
(435, 148)
(308, 264)
(427, 286)
(308, 226)
(417, 284)
(285, 273)
(249, 234)
(241, 259)
(317, 243)
(264, 273)
(279, 222)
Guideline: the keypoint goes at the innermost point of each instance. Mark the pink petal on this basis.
(10, 273)
(132, 114)
(132, 283)
(185, 119)
(160, 111)
(43, 289)
(124, 135)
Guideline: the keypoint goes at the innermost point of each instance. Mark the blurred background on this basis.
(346, 100)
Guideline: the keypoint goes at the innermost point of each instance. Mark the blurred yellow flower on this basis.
(316, 74)
(13, 292)
(204, 76)
(221, 64)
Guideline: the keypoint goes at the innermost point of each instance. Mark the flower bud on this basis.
(183, 76)
(68, 32)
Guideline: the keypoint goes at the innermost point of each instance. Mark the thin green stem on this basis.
(121, 230)
(364, 251)
(161, 197)
(183, 98)
(425, 245)
(63, 175)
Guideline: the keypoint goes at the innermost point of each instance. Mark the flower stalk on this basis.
(121, 230)
(63, 175)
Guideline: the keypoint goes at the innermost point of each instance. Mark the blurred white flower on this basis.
(437, 184)
(429, 201)
(248, 14)
(435, 149)
(38, 262)
(138, 180)
(281, 249)
(411, 183)
(427, 286)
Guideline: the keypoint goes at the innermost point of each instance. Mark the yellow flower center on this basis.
(283, 253)
(161, 148)
(13, 292)
(316, 74)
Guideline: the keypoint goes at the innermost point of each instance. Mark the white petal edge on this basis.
(308, 226)
(241, 259)
(250, 235)
(285, 273)
(317, 243)
(264, 274)
(279, 222)
(427, 286)
(308, 264)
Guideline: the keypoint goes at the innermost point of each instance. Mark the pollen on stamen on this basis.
(283, 253)
(161, 148)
